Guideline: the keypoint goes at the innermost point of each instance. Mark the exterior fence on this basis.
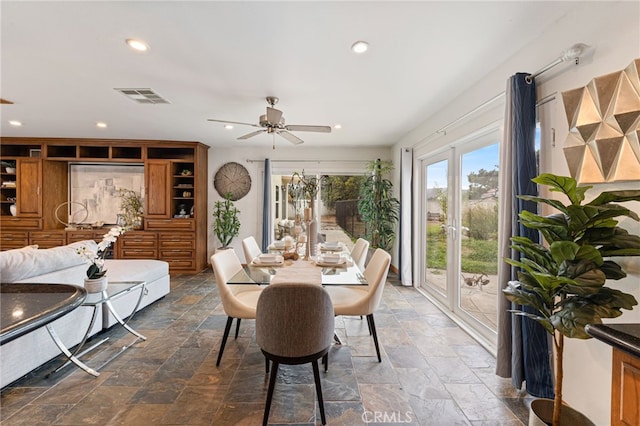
(348, 219)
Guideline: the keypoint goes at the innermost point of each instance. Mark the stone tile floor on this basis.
(432, 373)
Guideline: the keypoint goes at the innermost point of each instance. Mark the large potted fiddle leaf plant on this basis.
(565, 278)
(377, 206)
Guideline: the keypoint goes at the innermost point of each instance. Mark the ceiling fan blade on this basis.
(274, 115)
(233, 122)
(252, 134)
(290, 137)
(303, 128)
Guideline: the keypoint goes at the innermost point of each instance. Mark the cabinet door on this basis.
(29, 198)
(158, 192)
(625, 389)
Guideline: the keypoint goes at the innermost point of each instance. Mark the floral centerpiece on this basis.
(96, 269)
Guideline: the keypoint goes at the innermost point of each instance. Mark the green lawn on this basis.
(478, 256)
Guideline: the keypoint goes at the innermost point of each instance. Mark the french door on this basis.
(460, 230)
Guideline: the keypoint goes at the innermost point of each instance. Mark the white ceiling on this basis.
(62, 60)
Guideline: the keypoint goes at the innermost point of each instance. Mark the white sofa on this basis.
(64, 265)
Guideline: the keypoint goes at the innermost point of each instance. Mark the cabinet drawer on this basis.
(20, 222)
(170, 254)
(48, 239)
(176, 240)
(175, 224)
(136, 253)
(185, 245)
(74, 236)
(13, 240)
(149, 244)
(179, 264)
(138, 240)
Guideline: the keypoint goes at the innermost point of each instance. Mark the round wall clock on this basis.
(232, 178)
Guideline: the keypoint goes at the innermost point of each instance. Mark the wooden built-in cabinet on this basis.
(175, 211)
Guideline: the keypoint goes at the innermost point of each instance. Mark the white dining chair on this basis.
(251, 249)
(364, 300)
(238, 301)
(359, 253)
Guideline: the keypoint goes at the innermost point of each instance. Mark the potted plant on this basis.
(131, 208)
(226, 223)
(377, 206)
(564, 279)
(96, 280)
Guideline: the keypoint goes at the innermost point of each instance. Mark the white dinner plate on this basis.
(259, 262)
(321, 262)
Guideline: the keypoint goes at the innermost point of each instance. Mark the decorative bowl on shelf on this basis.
(11, 170)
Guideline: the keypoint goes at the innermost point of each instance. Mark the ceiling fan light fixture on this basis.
(360, 46)
(273, 123)
(137, 44)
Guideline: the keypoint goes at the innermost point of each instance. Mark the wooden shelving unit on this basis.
(175, 218)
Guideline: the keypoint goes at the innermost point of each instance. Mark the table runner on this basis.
(301, 271)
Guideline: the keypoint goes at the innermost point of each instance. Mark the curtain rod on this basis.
(571, 54)
(308, 161)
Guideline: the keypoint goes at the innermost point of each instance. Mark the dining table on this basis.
(315, 270)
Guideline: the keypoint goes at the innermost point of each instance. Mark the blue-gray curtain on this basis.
(523, 344)
(267, 225)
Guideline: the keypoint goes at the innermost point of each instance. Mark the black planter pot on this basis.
(541, 414)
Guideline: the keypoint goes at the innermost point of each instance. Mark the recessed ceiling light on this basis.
(137, 44)
(15, 123)
(101, 125)
(360, 46)
(228, 126)
(338, 126)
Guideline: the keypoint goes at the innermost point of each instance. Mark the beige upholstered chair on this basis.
(294, 325)
(251, 249)
(238, 301)
(359, 252)
(364, 300)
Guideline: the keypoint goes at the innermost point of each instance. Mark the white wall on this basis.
(336, 160)
(613, 31)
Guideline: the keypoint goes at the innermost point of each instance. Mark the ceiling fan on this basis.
(273, 122)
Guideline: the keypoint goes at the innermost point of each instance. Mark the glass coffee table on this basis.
(115, 290)
(27, 307)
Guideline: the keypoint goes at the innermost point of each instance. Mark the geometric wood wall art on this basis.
(603, 144)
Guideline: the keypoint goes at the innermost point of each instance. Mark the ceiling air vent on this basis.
(143, 96)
